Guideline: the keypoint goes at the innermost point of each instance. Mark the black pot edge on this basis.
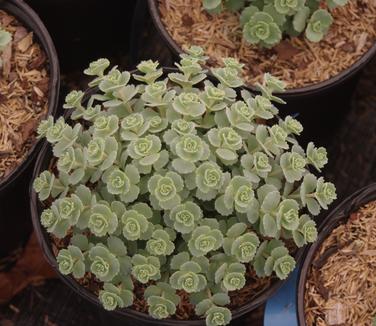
(33, 23)
(322, 87)
(43, 239)
(336, 217)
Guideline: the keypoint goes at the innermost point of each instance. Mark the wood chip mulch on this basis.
(24, 87)
(295, 60)
(341, 284)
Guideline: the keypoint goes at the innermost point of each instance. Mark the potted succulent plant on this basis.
(177, 195)
(338, 269)
(316, 47)
(29, 88)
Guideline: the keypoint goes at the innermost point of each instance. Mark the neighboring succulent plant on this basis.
(265, 22)
(178, 184)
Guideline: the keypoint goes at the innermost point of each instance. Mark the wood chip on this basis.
(25, 43)
(285, 50)
(336, 315)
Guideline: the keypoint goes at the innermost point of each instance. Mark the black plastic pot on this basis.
(123, 315)
(85, 30)
(15, 224)
(320, 106)
(337, 217)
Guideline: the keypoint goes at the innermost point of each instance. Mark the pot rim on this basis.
(30, 20)
(337, 216)
(45, 243)
(313, 89)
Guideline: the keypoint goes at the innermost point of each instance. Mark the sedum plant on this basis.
(178, 183)
(265, 22)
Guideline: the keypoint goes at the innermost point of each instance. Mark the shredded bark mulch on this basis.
(24, 86)
(341, 284)
(295, 60)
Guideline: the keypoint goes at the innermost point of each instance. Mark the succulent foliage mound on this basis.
(264, 22)
(180, 184)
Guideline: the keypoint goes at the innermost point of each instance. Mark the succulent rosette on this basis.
(146, 151)
(164, 184)
(228, 76)
(256, 165)
(135, 221)
(189, 104)
(68, 209)
(133, 126)
(71, 260)
(104, 265)
(160, 243)
(123, 183)
(239, 195)
(101, 153)
(145, 268)
(316, 156)
(162, 300)
(216, 99)
(97, 68)
(164, 190)
(288, 215)
(184, 217)
(292, 126)
(188, 278)
(306, 231)
(243, 247)
(262, 30)
(102, 220)
(293, 166)
(105, 126)
(156, 122)
(114, 80)
(203, 240)
(46, 185)
(217, 316)
(318, 25)
(73, 100)
(271, 257)
(209, 179)
(112, 297)
(227, 142)
(157, 94)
